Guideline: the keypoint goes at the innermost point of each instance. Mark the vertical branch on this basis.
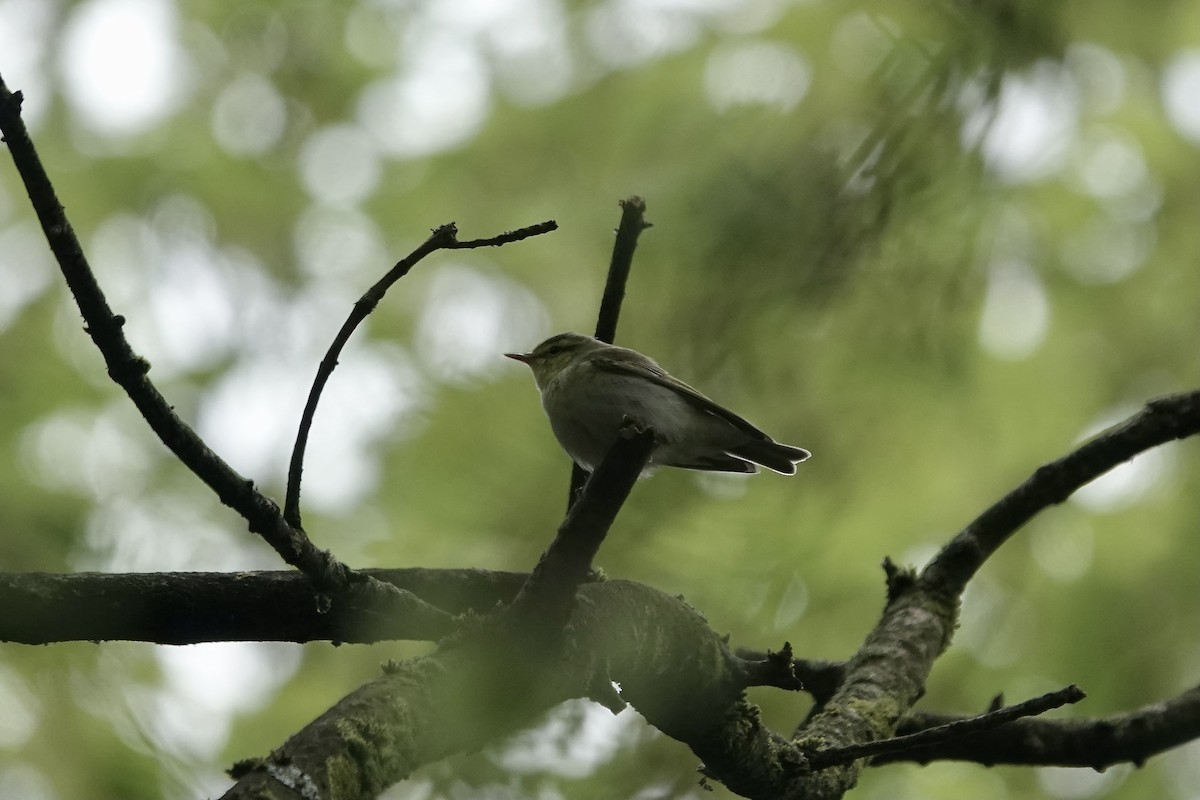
(633, 222)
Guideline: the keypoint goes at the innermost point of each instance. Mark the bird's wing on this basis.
(639, 366)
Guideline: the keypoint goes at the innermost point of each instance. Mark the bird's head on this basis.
(555, 354)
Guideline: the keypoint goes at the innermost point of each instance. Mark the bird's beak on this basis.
(524, 358)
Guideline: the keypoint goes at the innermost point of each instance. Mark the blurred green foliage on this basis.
(936, 243)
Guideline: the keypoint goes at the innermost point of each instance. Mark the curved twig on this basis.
(1160, 421)
(443, 238)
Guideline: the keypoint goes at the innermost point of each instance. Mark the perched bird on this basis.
(588, 388)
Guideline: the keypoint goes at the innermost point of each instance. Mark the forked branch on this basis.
(130, 371)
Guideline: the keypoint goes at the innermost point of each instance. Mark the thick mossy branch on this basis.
(889, 672)
(486, 681)
(880, 684)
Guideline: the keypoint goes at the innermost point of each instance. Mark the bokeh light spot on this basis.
(438, 102)
(757, 73)
(1028, 134)
(339, 164)
(122, 67)
(471, 318)
(1180, 90)
(249, 116)
(1016, 311)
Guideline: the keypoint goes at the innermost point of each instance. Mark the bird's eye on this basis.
(554, 350)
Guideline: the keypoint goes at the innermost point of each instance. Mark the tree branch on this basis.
(129, 370)
(1097, 742)
(888, 673)
(192, 607)
(491, 678)
(633, 222)
(443, 238)
(671, 666)
(955, 730)
(1160, 421)
(547, 598)
(185, 608)
(508, 237)
(817, 677)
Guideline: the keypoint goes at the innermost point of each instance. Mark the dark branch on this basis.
(507, 237)
(548, 597)
(443, 238)
(1097, 743)
(192, 607)
(633, 222)
(951, 731)
(1159, 422)
(819, 678)
(770, 668)
(889, 672)
(670, 664)
(129, 370)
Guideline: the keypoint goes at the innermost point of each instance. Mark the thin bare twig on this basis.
(507, 237)
(1095, 742)
(633, 222)
(443, 238)
(958, 729)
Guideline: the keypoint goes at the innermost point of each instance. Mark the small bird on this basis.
(589, 388)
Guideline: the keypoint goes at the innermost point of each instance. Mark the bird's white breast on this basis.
(586, 406)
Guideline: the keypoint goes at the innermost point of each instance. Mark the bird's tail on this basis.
(781, 458)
